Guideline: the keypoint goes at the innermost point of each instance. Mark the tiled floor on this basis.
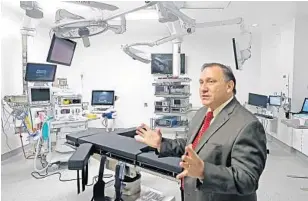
(19, 185)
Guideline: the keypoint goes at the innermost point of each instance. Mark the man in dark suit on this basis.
(225, 152)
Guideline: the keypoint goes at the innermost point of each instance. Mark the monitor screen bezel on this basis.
(269, 100)
(51, 65)
(38, 87)
(258, 95)
(183, 66)
(235, 54)
(54, 37)
(302, 111)
(102, 104)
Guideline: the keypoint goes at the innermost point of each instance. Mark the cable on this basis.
(6, 137)
(3, 125)
(22, 144)
(41, 176)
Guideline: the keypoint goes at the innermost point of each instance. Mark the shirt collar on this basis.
(218, 110)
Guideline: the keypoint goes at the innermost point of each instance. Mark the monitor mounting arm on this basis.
(132, 52)
(176, 36)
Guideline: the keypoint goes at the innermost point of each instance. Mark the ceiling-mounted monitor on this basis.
(61, 51)
(237, 54)
(38, 72)
(163, 64)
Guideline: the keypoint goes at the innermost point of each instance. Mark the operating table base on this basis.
(131, 186)
(146, 194)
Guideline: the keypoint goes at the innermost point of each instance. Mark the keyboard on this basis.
(151, 196)
(264, 116)
(100, 109)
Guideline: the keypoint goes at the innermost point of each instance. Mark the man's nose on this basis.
(204, 88)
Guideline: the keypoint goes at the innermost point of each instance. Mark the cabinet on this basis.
(305, 142)
(171, 105)
(297, 139)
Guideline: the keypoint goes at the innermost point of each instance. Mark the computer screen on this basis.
(40, 94)
(275, 100)
(37, 72)
(237, 54)
(102, 97)
(257, 100)
(305, 106)
(163, 64)
(61, 51)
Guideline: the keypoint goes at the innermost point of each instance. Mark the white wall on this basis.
(283, 52)
(217, 47)
(105, 66)
(300, 70)
(11, 62)
(277, 56)
(11, 71)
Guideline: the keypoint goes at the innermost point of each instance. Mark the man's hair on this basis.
(228, 74)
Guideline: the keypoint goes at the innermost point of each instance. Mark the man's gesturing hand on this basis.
(192, 164)
(148, 136)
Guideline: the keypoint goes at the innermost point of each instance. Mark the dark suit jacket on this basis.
(234, 153)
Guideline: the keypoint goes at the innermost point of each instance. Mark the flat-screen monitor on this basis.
(163, 64)
(61, 51)
(40, 94)
(274, 100)
(102, 97)
(257, 100)
(38, 72)
(305, 106)
(237, 54)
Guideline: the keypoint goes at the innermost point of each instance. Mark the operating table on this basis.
(119, 147)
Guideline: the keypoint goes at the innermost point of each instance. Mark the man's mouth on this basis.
(205, 96)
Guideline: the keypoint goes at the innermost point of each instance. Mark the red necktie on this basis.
(205, 125)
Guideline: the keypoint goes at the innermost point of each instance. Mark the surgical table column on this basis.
(119, 178)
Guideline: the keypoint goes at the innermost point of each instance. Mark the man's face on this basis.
(214, 90)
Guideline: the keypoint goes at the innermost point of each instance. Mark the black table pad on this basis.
(74, 137)
(171, 164)
(115, 144)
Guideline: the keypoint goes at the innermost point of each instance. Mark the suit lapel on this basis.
(219, 121)
(197, 125)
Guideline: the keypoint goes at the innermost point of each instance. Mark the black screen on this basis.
(40, 94)
(163, 64)
(37, 72)
(61, 51)
(235, 52)
(257, 100)
(177, 102)
(100, 97)
(183, 64)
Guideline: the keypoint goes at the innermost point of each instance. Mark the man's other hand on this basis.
(149, 137)
(192, 164)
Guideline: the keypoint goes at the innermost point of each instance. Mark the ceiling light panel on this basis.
(206, 4)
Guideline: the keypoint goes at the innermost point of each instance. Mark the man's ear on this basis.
(230, 86)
